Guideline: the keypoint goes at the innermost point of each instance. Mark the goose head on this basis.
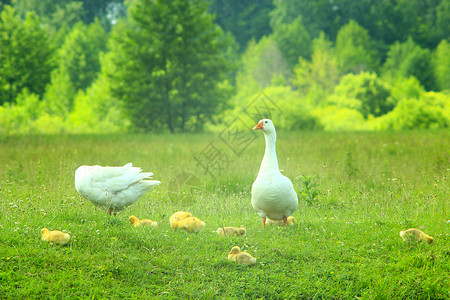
(133, 220)
(235, 250)
(265, 125)
(242, 231)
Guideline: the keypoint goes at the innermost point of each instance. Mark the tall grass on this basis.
(345, 243)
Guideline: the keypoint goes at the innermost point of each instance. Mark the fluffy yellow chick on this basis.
(242, 258)
(179, 215)
(231, 231)
(191, 224)
(416, 235)
(290, 221)
(55, 236)
(144, 222)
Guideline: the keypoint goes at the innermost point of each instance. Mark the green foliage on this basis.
(280, 103)
(366, 88)
(308, 190)
(408, 59)
(354, 49)
(97, 111)
(316, 16)
(334, 118)
(441, 65)
(79, 55)
(442, 21)
(430, 111)
(29, 116)
(405, 88)
(234, 15)
(94, 111)
(321, 70)
(294, 112)
(25, 55)
(426, 21)
(78, 65)
(261, 63)
(170, 66)
(57, 17)
(18, 117)
(350, 165)
(293, 40)
(59, 95)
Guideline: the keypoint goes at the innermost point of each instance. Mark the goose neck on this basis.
(270, 162)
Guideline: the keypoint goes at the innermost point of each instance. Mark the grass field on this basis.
(358, 191)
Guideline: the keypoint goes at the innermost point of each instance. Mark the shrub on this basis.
(97, 111)
(18, 118)
(333, 118)
(430, 111)
(367, 88)
(406, 59)
(279, 103)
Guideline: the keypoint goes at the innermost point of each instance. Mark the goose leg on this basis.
(110, 211)
(264, 222)
(285, 221)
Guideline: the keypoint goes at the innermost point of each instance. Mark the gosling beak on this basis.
(259, 126)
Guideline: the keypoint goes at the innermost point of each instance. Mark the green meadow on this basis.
(356, 192)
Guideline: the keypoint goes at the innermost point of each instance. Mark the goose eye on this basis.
(265, 122)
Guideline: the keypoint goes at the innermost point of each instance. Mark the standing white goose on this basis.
(113, 188)
(273, 194)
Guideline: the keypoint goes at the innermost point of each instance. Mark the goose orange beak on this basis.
(259, 126)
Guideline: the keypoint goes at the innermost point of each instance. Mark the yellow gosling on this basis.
(415, 235)
(231, 231)
(191, 224)
(144, 222)
(242, 258)
(179, 215)
(148, 222)
(55, 236)
(290, 221)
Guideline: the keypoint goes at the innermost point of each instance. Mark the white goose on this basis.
(113, 188)
(273, 194)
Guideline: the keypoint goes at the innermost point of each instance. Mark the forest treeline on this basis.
(105, 66)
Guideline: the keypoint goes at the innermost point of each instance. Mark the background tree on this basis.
(354, 49)
(170, 65)
(57, 17)
(367, 89)
(316, 16)
(261, 62)
(430, 111)
(293, 40)
(25, 55)
(406, 59)
(78, 64)
(62, 14)
(234, 15)
(96, 110)
(107, 11)
(321, 71)
(441, 65)
(79, 54)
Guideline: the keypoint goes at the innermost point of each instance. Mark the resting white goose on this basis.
(113, 188)
(273, 194)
